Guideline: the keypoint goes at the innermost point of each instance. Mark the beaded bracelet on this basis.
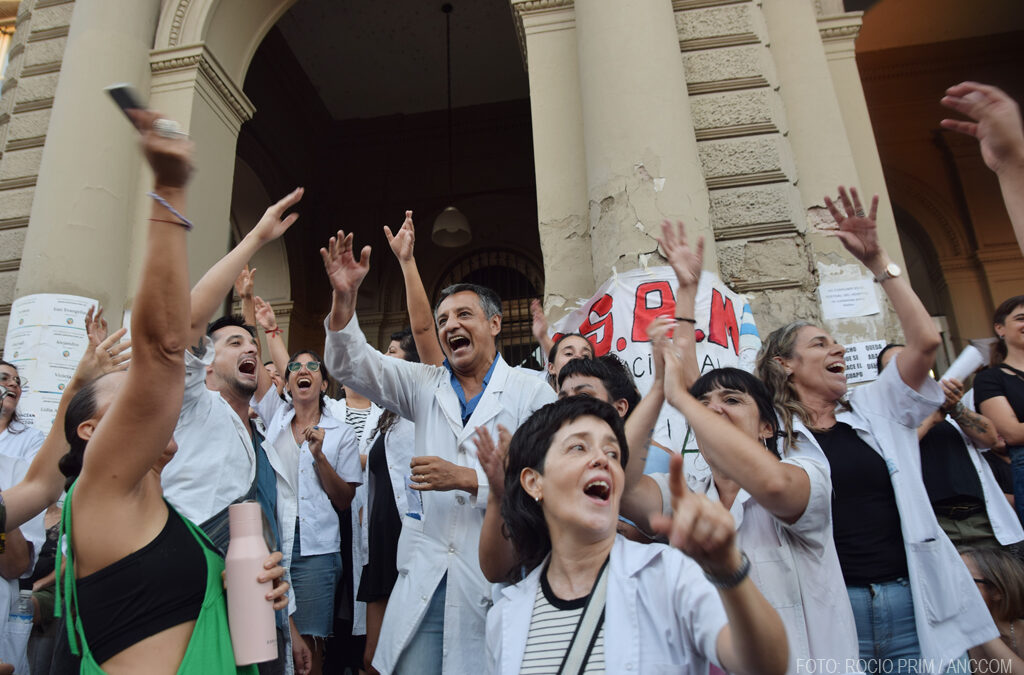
(185, 222)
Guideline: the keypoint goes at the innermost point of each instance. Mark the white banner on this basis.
(45, 341)
(615, 320)
(862, 361)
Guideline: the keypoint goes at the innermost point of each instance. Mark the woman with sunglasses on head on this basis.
(780, 504)
(317, 462)
(913, 602)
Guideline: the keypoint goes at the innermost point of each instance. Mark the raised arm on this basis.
(275, 341)
(140, 421)
(783, 489)
(754, 641)
(496, 553)
(421, 315)
(210, 291)
(244, 283)
(346, 275)
(996, 123)
(44, 482)
(539, 328)
(859, 234)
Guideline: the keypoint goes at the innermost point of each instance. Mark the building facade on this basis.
(735, 116)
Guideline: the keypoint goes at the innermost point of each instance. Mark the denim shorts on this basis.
(314, 580)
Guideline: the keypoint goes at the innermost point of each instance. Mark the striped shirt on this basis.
(552, 626)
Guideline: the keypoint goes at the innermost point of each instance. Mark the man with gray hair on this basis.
(436, 615)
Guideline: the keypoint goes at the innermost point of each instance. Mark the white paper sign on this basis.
(45, 340)
(615, 320)
(862, 361)
(848, 299)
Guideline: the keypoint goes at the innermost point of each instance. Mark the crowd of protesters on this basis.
(431, 508)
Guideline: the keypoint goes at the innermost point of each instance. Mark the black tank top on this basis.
(155, 588)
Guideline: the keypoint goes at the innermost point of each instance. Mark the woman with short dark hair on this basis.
(594, 601)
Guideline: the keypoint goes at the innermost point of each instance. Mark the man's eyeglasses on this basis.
(311, 366)
(6, 379)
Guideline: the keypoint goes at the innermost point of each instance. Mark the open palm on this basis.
(344, 271)
(857, 230)
(402, 244)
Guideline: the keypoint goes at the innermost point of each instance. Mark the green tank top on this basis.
(209, 649)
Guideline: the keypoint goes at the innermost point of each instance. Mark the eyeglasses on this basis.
(6, 379)
(311, 366)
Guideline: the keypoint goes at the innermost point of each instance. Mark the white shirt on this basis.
(661, 615)
(446, 540)
(23, 443)
(948, 609)
(318, 522)
(215, 463)
(12, 471)
(795, 566)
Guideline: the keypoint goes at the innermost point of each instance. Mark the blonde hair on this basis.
(1005, 573)
(781, 344)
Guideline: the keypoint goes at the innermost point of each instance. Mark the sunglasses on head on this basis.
(311, 366)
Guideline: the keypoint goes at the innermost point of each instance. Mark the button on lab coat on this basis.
(446, 539)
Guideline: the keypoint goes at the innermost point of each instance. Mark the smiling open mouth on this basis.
(457, 342)
(838, 368)
(247, 367)
(598, 489)
(304, 383)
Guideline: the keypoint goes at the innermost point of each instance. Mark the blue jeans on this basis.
(886, 631)
(425, 651)
(1016, 453)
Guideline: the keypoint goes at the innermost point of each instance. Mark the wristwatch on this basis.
(734, 579)
(891, 271)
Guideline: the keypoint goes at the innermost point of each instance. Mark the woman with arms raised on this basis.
(595, 602)
(142, 587)
(913, 601)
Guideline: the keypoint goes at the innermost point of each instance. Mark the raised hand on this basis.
(95, 325)
(245, 282)
(539, 323)
(403, 243)
(659, 332)
(857, 230)
(492, 456)
(265, 316)
(996, 121)
(274, 223)
(104, 356)
(169, 155)
(699, 527)
(343, 270)
(685, 260)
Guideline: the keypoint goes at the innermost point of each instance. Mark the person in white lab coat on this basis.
(594, 601)
(434, 621)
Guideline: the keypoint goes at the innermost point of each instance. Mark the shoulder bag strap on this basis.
(586, 631)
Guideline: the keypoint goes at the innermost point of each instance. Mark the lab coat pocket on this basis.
(936, 581)
(772, 570)
(412, 531)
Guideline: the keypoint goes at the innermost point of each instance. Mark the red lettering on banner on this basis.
(604, 323)
(723, 323)
(643, 313)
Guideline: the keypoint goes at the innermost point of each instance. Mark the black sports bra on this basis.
(155, 588)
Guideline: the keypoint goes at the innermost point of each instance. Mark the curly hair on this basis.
(524, 517)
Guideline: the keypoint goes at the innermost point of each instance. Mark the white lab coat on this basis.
(1005, 523)
(661, 614)
(796, 568)
(948, 609)
(446, 540)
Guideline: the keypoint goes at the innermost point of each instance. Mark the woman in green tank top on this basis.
(116, 510)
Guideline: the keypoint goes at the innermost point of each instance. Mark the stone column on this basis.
(641, 152)
(547, 34)
(84, 206)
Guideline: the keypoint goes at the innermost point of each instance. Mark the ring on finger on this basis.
(860, 213)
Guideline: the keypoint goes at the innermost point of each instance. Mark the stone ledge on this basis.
(48, 33)
(720, 21)
(731, 84)
(740, 112)
(26, 143)
(43, 4)
(33, 106)
(9, 83)
(718, 42)
(765, 285)
(756, 230)
(13, 223)
(760, 157)
(17, 183)
(728, 63)
(743, 180)
(685, 5)
(41, 69)
(736, 131)
(10, 265)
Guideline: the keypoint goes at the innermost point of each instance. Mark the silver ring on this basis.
(168, 128)
(860, 213)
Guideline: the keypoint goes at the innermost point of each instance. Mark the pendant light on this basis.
(451, 229)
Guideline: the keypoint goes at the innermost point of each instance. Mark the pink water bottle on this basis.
(250, 615)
